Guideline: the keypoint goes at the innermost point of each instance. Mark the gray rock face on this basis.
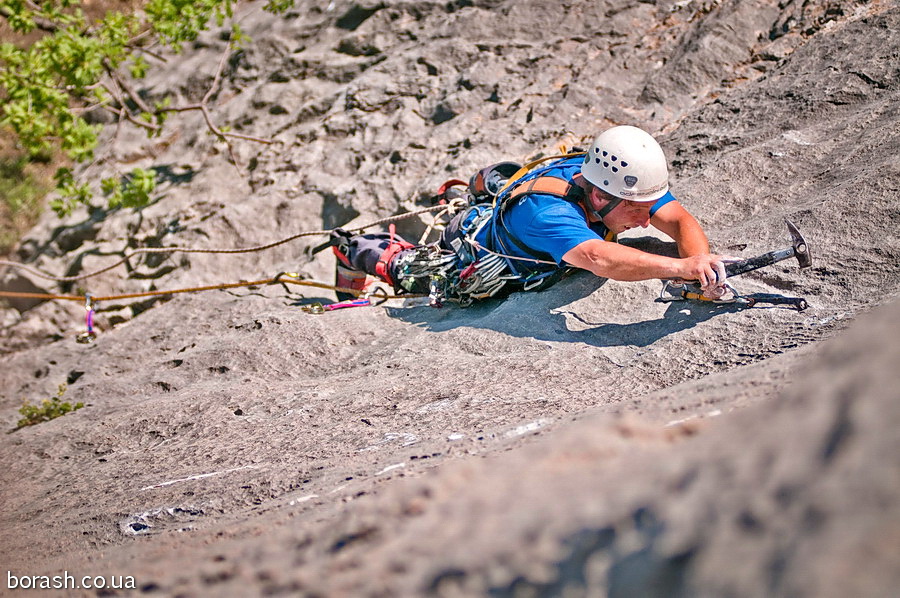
(583, 440)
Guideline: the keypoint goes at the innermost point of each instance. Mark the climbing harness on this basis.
(472, 271)
(438, 270)
(466, 273)
(543, 271)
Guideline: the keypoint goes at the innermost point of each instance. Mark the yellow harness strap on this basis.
(544, 184)
(525, 169)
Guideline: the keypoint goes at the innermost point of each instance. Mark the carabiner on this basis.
(377, 296)
(313, 308)
(89, 335)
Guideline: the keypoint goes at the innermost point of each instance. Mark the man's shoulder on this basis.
(540, 211)
(565, 168)
(546, 203)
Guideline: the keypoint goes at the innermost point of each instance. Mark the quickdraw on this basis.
(88, 336)
(680, 291)
(438, 270)
(374, 298)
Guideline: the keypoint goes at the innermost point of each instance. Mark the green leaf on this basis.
(139, 67)
(109, 185)
(132, 191)
(238, 38)
(44, 86)
(48, 409)
(279, 6)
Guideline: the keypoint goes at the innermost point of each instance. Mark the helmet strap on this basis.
(608, 207)
(601, 214)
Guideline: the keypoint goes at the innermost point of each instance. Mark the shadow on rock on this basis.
(550, 316)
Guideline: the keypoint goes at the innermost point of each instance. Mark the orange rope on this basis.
(156, 250)
(227, 285)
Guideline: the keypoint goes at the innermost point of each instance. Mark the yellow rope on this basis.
(227, 285)
(129, 255)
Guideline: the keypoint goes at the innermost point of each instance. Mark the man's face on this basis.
(626, 215)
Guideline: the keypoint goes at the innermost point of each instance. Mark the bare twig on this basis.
(118, 133)
(218, 76)
(209, 94)
(94, 106)
(155, 55)
(123, 85)
(123, 113)
(202, 106)
(212, 126)
(139, 36)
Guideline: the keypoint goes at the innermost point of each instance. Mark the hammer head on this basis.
(801, 249)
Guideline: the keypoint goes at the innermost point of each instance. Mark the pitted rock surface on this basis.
(585, 440)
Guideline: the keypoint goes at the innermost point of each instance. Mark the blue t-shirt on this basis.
(545, 223)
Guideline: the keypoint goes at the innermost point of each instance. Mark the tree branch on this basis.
(126, 88)
(218, 76)
(202, 106)
(123, 113)
(146, 51)
(205, 110)
(40, 23)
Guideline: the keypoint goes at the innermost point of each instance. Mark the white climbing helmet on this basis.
(627, 163)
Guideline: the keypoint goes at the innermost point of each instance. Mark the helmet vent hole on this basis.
(596, 150)
(624, 163)
(615, 169)
(606, 165)
(605, 154)
(606, 183)
(614, 159)
(597, 160)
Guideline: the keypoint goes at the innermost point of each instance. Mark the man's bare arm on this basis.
(618, 262)
(684, 229)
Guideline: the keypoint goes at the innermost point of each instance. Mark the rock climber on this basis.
(558, 216)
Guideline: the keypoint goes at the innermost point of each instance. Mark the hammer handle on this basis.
(760, 261)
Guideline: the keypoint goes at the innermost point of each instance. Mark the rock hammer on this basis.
(798, 249)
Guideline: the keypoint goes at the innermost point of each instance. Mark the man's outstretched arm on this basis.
(618, 262)
(684, 229)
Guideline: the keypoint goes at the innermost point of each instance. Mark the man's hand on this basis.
(693, 246)
(709, 270)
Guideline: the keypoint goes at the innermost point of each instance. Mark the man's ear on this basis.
(593, 198)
